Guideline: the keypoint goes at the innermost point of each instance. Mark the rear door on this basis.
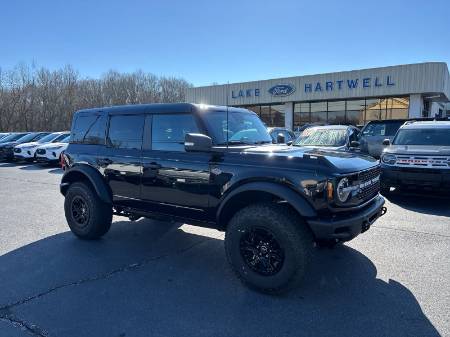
(174, 181)
(121, 157)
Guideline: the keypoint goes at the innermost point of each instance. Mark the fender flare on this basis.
(92, 175)
(295, 199)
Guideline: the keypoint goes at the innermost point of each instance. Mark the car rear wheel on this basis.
(268, 247)
(87, 216)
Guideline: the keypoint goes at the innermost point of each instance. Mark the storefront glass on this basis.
(271, 115)
(356, 112)
(319, 112)
(336, 112)
(351, 111)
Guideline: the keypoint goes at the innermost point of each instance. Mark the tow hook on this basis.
(383, 211)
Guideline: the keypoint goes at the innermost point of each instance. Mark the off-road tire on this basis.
(292, 234)
(99, 214)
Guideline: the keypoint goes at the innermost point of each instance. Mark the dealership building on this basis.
(348, 97)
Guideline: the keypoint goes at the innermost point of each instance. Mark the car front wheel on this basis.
(268, 247)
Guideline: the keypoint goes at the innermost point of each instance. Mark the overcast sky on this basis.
(230, 41)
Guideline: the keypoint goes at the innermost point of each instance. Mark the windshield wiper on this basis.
(263, 142)
(235, 142)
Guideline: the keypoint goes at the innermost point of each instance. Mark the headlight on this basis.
(389, 159)
(343, 190)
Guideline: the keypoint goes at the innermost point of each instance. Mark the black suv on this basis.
(217, 167)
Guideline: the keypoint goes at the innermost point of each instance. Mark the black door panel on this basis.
(121, 160)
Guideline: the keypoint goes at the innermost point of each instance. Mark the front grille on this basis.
(423, 161)
(40, 151)
(17, 150)
(369, 182)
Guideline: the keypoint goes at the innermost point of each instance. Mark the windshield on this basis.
(60, 138)
(12, 138)
(382, 129)
(47, 138)
(322, 137)
(435, 137)
(32, 137)
(243, 128)
(66, 139)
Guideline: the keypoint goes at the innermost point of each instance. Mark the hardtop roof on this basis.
(427, 125)
(160, 108)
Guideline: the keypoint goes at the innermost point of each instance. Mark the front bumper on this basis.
(392, 176)
(342, 227)
(23, 156)
(6, 154)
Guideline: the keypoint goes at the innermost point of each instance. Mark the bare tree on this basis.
(38, 99)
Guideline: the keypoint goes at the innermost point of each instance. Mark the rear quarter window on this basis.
(89, 129)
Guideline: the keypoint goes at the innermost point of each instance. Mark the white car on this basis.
(51, 153)
(27, 151)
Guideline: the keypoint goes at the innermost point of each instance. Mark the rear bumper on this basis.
(392, 176)
(344, 228)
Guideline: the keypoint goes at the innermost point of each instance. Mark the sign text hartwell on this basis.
(289, 89)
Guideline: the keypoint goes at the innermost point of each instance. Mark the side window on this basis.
(125, 131)
(354, 135)
(168, 131)
(89, 129)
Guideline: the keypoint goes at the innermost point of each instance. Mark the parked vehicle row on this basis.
(33, 146)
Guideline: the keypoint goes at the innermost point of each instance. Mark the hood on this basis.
(8, 144)
(328, 148)
(52, 145)
(419, 150)
(342, 161)
(31, 144)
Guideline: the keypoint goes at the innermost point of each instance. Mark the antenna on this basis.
(227, 92)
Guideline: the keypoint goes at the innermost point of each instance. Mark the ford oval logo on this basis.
(282, 90)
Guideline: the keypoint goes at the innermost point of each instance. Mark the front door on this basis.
(174, 182)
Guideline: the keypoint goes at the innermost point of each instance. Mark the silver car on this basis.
(375, 132)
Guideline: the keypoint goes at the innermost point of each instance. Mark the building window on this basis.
(356, 112)
(271, 115)
(336, 112)
(319, 112)
(277, 115)
(302, 114)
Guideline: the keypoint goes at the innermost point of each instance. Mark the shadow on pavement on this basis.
(151, 278)
(9, 164)
(56, 171)
(31, 167)
(421, 201)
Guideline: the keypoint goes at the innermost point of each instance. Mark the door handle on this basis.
(104, 161)
(152, 166)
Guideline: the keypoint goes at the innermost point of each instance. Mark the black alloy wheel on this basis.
(261, 251)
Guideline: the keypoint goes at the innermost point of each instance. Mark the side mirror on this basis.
(354, 143)
(386, 142)
(281, 139)
(290, 142)
(197, 142)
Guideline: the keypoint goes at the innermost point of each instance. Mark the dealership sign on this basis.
(366, 82)
(285, 89)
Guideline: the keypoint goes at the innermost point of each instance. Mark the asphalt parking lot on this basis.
(149, 278)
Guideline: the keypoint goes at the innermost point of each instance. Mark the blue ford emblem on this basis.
(282, 90)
